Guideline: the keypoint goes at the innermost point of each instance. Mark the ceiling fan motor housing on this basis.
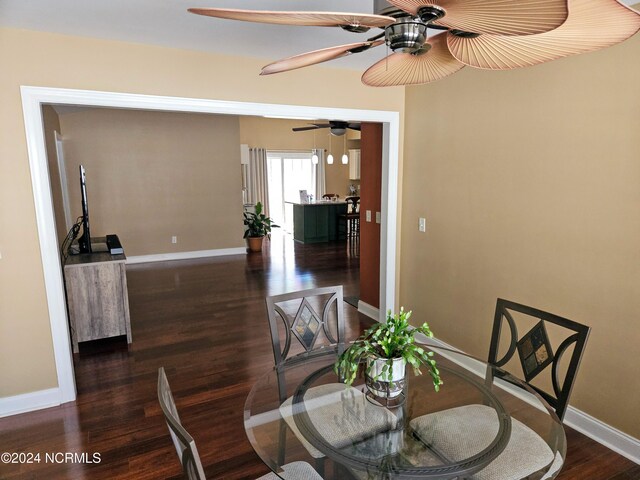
(407, 35)
(382, 7)
(338, 128)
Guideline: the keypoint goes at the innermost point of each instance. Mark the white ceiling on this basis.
(167, 23)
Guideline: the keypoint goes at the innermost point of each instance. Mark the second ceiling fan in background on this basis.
(337, 127)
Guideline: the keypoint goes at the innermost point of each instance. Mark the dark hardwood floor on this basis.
(204, 321)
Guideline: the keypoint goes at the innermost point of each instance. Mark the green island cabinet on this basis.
(318, 222)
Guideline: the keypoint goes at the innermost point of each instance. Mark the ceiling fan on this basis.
(487, 34)
(338, 127)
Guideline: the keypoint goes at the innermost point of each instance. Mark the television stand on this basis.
(97, 298)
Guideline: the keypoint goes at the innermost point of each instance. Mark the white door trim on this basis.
(34, 97)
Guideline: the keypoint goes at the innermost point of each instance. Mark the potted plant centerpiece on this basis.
(258, 225)
(386, 349)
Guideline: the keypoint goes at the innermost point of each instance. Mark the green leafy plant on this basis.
(393, 339)
(258, 224)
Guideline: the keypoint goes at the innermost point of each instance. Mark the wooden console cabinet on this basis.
(97, 298)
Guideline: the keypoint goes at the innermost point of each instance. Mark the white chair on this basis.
(186, 446)
(527, 454)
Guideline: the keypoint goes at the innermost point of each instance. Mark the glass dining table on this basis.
(480, 416)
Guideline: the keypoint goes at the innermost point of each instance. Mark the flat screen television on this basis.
(84, 242)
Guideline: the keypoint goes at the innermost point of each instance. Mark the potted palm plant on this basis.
(386, 349)
(258, 225)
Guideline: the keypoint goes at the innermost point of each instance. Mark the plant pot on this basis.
(380, 384)
(254, 244)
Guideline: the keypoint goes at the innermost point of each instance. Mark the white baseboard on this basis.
(164, 257)
(28, 402)
(610, 437)
(368, 310)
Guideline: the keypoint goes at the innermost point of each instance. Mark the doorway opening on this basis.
(34, 97)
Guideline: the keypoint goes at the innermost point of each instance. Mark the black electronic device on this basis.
(114, 245)
(84, 242)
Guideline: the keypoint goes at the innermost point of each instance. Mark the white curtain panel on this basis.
(258, 188)
(320, 174)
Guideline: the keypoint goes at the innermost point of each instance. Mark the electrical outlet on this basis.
(174, 239)
(422, 224)
(368, 215)
(378, 217)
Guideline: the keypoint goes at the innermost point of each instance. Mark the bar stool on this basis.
(352, 217)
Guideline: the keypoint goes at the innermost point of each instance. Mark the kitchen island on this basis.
(318, 222)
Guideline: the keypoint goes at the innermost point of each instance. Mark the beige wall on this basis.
(153, 175)
(51, 60)
(530, 184)
(276, 134)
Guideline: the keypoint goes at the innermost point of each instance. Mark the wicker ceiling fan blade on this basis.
(413, 69)
(317, 56)
(592, 25)
(496, 17)
(318, 19)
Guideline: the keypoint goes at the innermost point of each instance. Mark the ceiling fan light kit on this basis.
(486, 34)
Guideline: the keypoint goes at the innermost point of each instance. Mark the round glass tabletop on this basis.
(476, 422)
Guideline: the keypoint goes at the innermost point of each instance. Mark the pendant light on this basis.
(314, 157)
(330, 156)
(345, 157)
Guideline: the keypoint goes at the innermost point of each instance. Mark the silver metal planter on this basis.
(379, 383)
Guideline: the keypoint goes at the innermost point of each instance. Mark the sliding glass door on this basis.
(288, 173)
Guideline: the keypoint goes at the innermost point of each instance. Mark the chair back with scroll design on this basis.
(535, 352)
(306, 317)
(184, 443)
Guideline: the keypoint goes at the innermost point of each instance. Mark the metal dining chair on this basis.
(526, 454)
(186, 446)
(315, 317)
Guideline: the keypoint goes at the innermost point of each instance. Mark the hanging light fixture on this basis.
(330, 156)
(345, 157)
(314, 157)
